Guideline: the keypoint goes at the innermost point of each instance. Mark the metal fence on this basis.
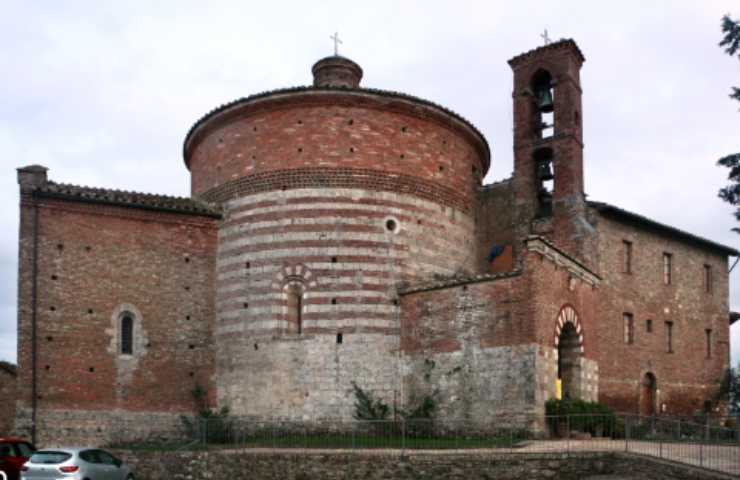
(702, 445)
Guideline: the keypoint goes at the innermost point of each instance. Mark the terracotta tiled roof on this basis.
(9, 367)
(563, 43)
(454, 281)
(147, 201)
(309, 89)
(621, 214)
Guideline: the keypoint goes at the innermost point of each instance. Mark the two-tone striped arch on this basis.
(293, 275)
(568, 314)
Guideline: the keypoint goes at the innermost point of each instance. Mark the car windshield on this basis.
(24, 449)
(49, 457)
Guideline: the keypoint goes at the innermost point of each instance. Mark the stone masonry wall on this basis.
(8, 397)
(306, 377)
(687, 376)
(96, 262)
(489, 347)
(337, 247)
(470, 349)
(106, 427)
(303, 465)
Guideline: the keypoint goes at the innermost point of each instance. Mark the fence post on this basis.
(204, 431)
(626, 433)
(701, 453)
(567, 435)
(354, 427)
(403, 437)
(272, 432)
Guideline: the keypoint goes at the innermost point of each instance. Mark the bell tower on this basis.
(548, 146)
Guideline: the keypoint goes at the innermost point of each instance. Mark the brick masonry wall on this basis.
(494, 220)
(96, 262)
(335, 133)
(686, 377)
(303, 465)
(8, 396)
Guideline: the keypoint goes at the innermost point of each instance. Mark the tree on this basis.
(730, 390)
(731, 193)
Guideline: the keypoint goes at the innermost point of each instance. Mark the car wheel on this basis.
(130, 477)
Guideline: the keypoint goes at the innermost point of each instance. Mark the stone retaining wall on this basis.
(303, 465)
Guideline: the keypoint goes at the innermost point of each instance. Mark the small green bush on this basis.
(368, 408)
(582, 416)
(212, 426)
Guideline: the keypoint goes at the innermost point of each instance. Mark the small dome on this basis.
(336, 71)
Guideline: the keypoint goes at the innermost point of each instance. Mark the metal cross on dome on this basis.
(335, 37)
(546, 38)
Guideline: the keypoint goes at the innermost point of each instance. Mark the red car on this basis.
(14, 452)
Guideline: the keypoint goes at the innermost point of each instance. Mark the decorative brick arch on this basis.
(568, 314)
(293, 281)
(292, 275)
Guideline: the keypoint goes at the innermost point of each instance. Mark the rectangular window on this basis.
(629, 328)
(669, 336)
(649, 326)
(667, 265)
(708, 278)
(626, 256)
(708, 331)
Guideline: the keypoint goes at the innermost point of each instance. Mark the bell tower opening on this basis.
(545, 180)
(569, 361)
(544, 97)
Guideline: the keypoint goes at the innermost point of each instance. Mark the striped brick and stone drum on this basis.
(333, 195)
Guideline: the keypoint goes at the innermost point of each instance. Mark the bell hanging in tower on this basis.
(544, 99)
(544, 170)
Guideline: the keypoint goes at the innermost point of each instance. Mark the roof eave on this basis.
(486, 149)
(606, 208)
(99, 201)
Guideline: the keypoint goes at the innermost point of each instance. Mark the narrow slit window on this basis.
(669, 336)
(629, 328)
(667, 268)
(708, 278)
(626, 256)
(708, 332)
(127, 334)
(649, 326)
(295, 309)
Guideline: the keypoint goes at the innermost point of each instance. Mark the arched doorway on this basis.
(648, 395)
(569, 342)
(569, 361)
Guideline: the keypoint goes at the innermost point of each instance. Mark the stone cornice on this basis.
(544, 247)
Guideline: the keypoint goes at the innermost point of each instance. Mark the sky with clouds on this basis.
(103, 92)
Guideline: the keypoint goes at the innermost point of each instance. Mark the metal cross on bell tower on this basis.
(335, 37)
(546, 38)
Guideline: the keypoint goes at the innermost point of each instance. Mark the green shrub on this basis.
(368, 408)
(209, 425)
(582, 416)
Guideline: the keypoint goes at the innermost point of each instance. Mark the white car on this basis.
(75, 464)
